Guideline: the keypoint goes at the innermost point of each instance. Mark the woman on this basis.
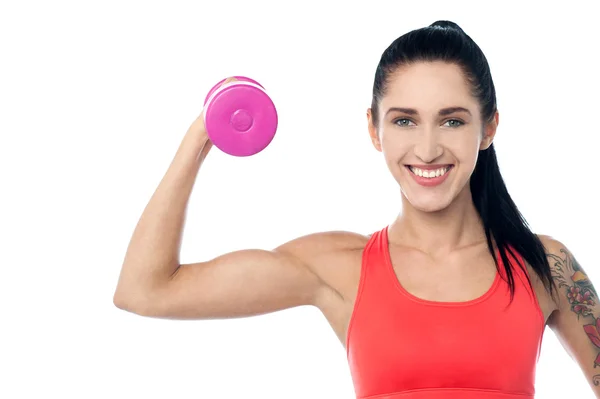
(450, 300)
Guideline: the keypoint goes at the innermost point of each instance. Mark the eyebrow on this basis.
(442, 112)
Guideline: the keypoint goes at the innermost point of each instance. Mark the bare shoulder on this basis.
(563, 263)
(564, 267)
(324, 242)
(324, 250)
(554, 249)
(333, 256)
(549, 241)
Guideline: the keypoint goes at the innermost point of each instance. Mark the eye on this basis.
(402, 122)
(455, 123)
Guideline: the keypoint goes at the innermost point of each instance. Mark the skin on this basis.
(434, 242)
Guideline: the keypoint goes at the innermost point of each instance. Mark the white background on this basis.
(95, 98)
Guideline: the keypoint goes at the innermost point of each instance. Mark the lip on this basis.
(430, 182)
(430, 167)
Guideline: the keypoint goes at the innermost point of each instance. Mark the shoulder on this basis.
(333, 256)
(564, 267)
(550, 243)
(328, 249)
(324, 242)
(558, 255)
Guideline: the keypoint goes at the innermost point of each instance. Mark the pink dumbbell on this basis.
(240, 117)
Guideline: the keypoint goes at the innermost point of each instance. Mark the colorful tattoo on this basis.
(580, 291)
(581, 294)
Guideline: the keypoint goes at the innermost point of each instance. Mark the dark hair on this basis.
(446, 41)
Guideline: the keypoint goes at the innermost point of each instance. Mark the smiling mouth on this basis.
(429, 173)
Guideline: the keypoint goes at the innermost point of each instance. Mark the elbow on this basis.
(126, 303)
(140, 307)
(121, 302)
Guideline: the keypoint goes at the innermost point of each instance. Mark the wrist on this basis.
(197, 131)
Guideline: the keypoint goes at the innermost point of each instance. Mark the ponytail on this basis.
(504, 223)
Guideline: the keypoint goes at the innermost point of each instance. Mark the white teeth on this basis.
(429, 173)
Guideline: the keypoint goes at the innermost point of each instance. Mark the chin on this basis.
(431, 207)
(428, 205)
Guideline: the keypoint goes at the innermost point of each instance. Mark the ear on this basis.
(489, 132)
(373, 131)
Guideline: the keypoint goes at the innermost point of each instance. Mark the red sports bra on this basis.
(403, 347)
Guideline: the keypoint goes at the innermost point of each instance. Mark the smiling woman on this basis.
(450, 300)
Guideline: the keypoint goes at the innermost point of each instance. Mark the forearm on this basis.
(153, 252)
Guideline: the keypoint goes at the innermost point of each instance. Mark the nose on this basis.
(428, 148)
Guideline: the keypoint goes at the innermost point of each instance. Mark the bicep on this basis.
(238, 284)
(576, 321)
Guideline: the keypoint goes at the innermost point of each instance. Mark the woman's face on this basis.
(430, 125)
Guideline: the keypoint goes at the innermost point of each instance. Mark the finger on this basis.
(229, 79)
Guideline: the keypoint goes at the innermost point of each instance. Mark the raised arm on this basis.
(152, 281)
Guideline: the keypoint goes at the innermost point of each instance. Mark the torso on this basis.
(463, 277)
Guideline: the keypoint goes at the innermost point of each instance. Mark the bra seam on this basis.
(533, 295)
(359, 293)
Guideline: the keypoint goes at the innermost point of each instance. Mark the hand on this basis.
(198, 129)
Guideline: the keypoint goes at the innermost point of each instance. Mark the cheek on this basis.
(393, 144)
(464, 145)
(468, 151)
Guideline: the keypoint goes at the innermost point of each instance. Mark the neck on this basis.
(440, 232)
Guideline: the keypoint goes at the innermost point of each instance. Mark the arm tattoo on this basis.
(581, 294)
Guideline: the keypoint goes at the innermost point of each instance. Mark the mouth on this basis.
(430, 177)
